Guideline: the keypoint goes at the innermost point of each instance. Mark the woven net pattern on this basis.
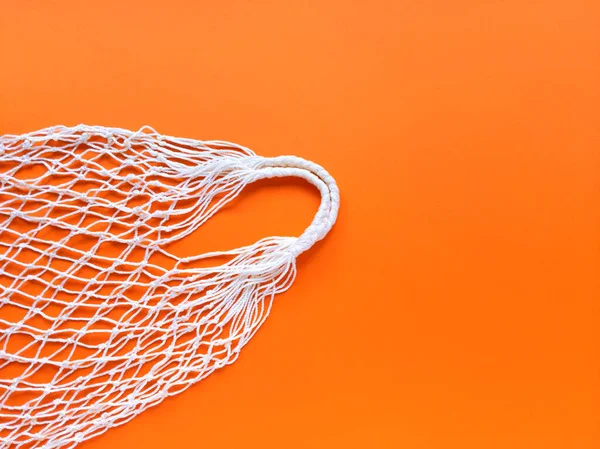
(98, 320)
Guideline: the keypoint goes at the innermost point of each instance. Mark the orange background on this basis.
(456, 302)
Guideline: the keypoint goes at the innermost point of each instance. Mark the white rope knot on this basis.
(99, 320)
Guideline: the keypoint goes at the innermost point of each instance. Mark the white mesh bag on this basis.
(98, 320)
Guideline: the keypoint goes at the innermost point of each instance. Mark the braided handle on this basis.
(293, 166)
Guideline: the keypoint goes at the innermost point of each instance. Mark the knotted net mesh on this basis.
(98, 320)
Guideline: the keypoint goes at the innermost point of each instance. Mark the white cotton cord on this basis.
(292, 166)
(98, 319)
